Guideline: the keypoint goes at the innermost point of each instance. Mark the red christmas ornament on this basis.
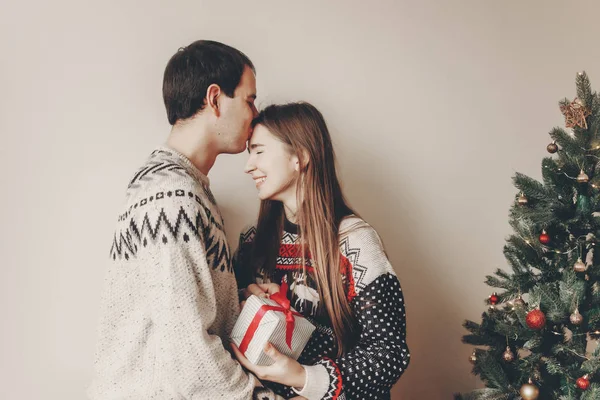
(535, 319)
(544, 238)
(583, 383)
(493, 299)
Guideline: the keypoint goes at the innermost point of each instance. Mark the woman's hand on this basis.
(284, 370)
(260, 290)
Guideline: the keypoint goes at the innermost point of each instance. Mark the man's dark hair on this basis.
(193, 69)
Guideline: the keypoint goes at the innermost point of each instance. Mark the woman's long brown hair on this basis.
(321, 208)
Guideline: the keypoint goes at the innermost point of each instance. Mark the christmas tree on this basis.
(539, 337)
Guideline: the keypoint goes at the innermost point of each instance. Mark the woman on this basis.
(333, 262)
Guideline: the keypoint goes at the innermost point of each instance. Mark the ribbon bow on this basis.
(284, 307)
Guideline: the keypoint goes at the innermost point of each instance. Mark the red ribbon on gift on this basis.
(284, 307)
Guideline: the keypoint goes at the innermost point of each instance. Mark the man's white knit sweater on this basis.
(170, 296)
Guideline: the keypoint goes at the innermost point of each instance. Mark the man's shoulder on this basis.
(163, 170)
(165, 184)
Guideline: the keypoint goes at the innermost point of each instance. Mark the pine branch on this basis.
(504, 282)
(554, 367)
(490, 371)
(471, 326)
(567, 143)
(572, 290)
(484, 394)
(591, 366)
(530, 187)
(592, 393)
(584, 89)
(533, 343)
(547, 297)
(515, 262)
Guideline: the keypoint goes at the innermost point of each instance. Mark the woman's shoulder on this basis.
(361, 245)
(354, 227)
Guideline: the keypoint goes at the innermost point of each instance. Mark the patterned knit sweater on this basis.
(170, 296)
(380, 355)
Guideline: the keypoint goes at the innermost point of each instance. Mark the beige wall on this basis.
(433, 105)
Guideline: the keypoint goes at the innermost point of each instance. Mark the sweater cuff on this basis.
(316, 384)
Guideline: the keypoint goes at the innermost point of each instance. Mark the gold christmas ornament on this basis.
(579, 266)
(582, 177)
(508, 355)
(519, 302)
(576, 318)
(473, 357)
(552, 147)
(522, 200)
(529, 391)
(575, 113)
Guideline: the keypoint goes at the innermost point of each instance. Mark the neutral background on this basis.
(433, 106)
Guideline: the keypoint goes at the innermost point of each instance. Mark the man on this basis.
(170, 297)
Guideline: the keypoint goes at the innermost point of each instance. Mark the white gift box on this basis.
(272, 327)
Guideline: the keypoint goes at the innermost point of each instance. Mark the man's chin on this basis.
(236, 150)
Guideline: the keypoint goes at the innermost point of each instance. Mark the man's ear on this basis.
(213, 94)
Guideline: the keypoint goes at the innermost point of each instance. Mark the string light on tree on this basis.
(594, 335)
(557, 330)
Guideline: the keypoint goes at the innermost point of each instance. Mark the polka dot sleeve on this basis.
(381, 355)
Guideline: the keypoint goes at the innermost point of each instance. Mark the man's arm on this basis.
(183, 303)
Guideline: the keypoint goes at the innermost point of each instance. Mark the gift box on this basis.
(271, 320)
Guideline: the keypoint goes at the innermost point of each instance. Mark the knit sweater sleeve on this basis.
(182, 298)
(241, 258)
(380, 355)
